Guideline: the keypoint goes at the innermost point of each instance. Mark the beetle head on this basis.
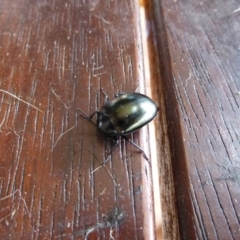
(106, 127)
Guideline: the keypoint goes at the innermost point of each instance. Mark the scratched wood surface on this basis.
(55, 56)
(198, 46)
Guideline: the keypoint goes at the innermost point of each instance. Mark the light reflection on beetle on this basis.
(123, 115)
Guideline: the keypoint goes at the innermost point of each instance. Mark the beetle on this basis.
(123, 115)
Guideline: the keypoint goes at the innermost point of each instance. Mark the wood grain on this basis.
(198, 47)
(56, 55)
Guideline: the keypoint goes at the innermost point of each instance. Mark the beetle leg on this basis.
(134, 144)
(113, 148)
(105, 161)
(89, 118)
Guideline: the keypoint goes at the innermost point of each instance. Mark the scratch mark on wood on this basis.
(11, 214)
(20, 194)
(59, 99)
(236, 10)
(14, 96)
(62, 135)
(99, 17)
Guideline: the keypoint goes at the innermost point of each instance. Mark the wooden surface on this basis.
(198, 45)
(55, 56)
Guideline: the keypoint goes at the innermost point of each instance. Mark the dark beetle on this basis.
(123, 115)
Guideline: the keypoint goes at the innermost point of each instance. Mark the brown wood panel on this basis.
(198, 46)
(55, 56)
